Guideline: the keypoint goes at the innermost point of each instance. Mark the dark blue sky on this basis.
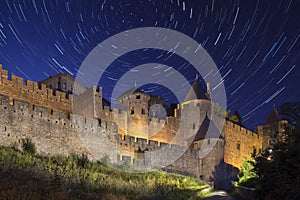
(255, 44)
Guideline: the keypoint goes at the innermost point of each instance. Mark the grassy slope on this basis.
(24, 176)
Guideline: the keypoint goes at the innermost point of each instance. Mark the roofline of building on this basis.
(59, 75)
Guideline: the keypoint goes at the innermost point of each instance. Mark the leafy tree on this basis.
(247, 175)
(291, 111)
(227, 114)
(236, 118)
(218, 109)
(278, 170)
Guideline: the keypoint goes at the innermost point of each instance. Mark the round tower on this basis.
(196, 106)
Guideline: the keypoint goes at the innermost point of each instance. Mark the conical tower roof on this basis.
(273, 117)
(196, 91)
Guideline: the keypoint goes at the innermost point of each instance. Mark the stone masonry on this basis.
(56, 126)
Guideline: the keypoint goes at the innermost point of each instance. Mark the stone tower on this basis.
(196, 106)
(272, 129)
(135, 103)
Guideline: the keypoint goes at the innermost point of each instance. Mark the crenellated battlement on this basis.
(40, 112)
(62, 124)
(240, 130)
(33, 93)
(240, 143)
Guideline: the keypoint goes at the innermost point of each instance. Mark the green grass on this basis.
(27, 176)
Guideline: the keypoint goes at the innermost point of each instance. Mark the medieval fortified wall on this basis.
(47, 117)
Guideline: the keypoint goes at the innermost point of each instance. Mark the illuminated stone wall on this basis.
(27, 110)
(239, 143)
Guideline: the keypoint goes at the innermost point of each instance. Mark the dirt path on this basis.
(219, 195)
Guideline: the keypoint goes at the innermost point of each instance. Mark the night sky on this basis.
(255, 44)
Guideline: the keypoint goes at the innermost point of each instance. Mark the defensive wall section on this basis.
(31, 92)
(239, 143)
(52, 133)
(47, 117)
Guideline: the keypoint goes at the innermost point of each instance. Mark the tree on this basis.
(247, 176)
(227, 114)
(278, 169)
(291, 111)
(236, 118)
(218, 110)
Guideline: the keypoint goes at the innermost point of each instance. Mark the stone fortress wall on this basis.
(239, 143)
(52, 133)
(31, 92)
(48, 117)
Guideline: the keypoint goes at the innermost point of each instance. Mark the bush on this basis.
(106, 160)
(82, 161)
(28, 146)
(125, 166)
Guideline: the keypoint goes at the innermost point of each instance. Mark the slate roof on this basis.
(273, 117)
(196, 92)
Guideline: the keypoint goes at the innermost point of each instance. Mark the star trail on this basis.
(255, 44)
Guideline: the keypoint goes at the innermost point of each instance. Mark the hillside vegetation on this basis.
(28, 176)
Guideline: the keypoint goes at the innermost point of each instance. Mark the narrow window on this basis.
(64, 86)
(254, 150)
(132, 111)
(208, 141)
(143, 111)
(238, 146)
(194, 126)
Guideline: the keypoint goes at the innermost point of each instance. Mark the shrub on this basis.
(28, 146)
(82, 161)
(105, 160)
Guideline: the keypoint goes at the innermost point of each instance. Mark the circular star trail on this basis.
(255, 44)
